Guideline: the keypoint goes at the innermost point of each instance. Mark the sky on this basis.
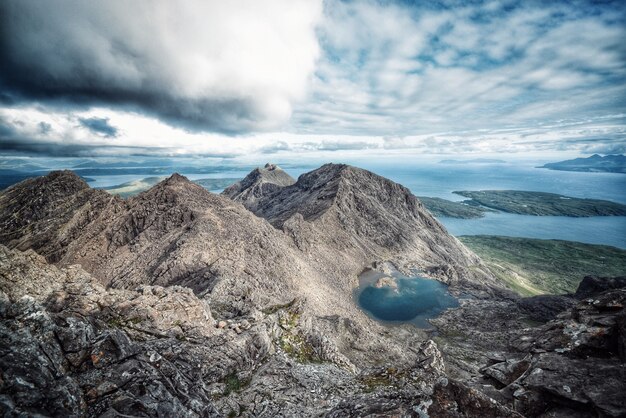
(247, 79)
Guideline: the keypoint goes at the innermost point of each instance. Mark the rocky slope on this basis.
(259, 183)
(351, 217)
(318, 236)
(557, 356)
(48, 213)
(70, 347)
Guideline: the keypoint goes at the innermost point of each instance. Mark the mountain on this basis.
(48, 213)
(596, 163)
(352, 217)
(260, 182)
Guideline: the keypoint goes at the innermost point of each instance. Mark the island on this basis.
(536, 266)
(446, 208)
(542, 204)
(595, 164)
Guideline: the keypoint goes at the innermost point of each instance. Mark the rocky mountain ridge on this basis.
(347, 209)
(181, 302)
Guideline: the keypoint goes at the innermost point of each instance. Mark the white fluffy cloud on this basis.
(227, 66)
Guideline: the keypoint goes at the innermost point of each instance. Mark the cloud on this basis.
(220, 66)
(398, 69)
(99, 126)
(241, 79)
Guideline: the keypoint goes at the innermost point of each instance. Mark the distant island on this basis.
(473, 161)
(447, 208)
(542, 204)
(521, 203)
(608, 164)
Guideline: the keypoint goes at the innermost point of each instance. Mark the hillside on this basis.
(351, 216)
(180, 302)
(535, 266)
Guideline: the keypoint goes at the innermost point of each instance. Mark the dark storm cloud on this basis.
(206, 73)
(99, 126)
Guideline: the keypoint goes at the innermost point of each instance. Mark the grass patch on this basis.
(388, 377)
(234, 383)
(275, 308)
(535, 266)
(292, 341)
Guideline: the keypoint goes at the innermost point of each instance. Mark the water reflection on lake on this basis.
(395, 298)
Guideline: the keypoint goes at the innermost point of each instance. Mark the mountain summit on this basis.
(259, 183)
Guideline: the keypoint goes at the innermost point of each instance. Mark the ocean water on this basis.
(605, 230)
(415, 300)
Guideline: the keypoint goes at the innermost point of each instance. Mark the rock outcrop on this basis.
(70, 347)
(573, 365)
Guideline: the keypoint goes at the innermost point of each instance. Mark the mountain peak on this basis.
(176, 178)
(260, 182)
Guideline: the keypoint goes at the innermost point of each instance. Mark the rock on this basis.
(544, 308)
(592, 285)
(259, 183)
(509, 370)
(457, 400)
(591, 384)
(387, 281)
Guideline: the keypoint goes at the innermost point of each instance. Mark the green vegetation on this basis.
(542, 204)
(534, 266)
(442, 207)
(234, 383)
(275, 308)
(292, 341)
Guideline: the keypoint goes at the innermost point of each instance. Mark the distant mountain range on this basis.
(608, 164)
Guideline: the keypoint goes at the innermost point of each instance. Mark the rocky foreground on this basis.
(179, 302)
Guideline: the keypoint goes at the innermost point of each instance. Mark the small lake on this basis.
(395, 298)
